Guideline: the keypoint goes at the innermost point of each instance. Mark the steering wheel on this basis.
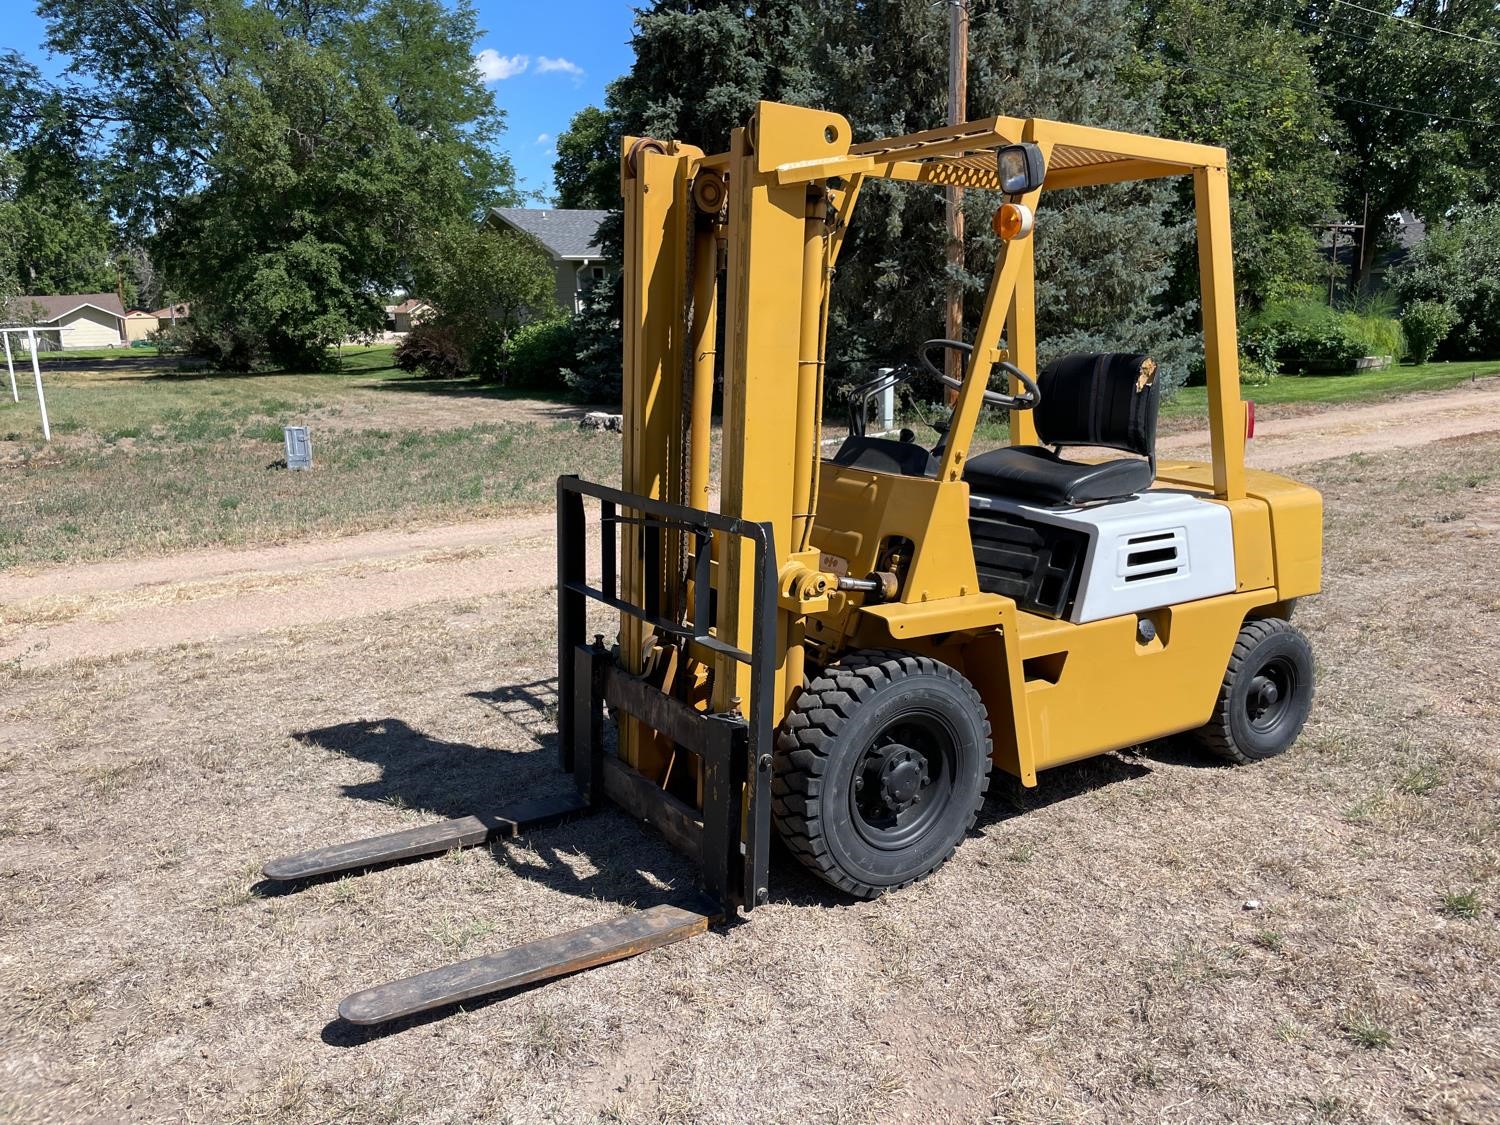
(1027, 400)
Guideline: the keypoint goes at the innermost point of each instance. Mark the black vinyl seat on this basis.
(1107, 400)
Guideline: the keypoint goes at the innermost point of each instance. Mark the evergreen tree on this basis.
(1104, 255)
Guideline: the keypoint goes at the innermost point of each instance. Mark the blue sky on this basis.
(543, 61)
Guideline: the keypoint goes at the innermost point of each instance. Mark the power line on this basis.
(1333, 97)
(1409, 22)
(1274, 10)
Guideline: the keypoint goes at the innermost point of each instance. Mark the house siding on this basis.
(90, 328)
(139, 327)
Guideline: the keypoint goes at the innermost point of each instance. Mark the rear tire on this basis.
(1266, 694)
(880, 770)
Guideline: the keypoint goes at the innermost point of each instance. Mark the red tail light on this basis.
(1249, 420)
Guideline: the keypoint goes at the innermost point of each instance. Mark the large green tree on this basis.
(1458, 264)
(57, 235)
(585, 172)
(288, 160)
(1232, 76)
(1416, 86)
(1104, 257)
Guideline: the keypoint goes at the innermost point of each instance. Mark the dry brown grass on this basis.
(1086, 956)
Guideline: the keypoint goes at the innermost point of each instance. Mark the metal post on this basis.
(36, 371)
(958, 84)
(10, 365)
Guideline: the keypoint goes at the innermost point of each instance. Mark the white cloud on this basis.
(543, 138)
(544, 65)
(493, 66)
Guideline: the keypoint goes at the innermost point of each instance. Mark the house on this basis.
(401, 319)
(75, 320)
(172, 314)
(571, 239)
(139, 325)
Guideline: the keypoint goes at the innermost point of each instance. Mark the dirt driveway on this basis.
(108, 609)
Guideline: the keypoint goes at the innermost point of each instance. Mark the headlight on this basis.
(1021, 168)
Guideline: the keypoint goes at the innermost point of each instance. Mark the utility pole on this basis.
(958, 89)
(1335, 228)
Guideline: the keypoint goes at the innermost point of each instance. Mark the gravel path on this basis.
(98, 610)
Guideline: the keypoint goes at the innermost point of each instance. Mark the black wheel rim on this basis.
(1269, 697)
(903, 781)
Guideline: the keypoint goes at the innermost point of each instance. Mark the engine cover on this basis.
(1156, 549)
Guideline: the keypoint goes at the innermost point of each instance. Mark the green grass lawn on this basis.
(63, 358)
(148, 462)
(1364, 385)
(151, 459)
(122, 399)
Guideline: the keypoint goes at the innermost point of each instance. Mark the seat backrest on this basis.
(1108, 399)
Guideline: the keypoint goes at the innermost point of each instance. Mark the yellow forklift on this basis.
(842, 652)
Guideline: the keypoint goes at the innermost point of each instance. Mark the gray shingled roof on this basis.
(565, 234)
(53, 307)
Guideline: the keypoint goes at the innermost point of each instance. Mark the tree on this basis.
(586, 172)
(1418, 106)
(484, 282)
(59, 237)
(1232, 77)
(699, 69)
(1104, 255)
(288, 162)
(1458, 265)
(481, 275)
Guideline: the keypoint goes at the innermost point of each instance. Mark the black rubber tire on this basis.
(826, 740)
(1267, 650)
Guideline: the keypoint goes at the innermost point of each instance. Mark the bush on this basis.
(221, 345)
(432, 350)
(537, 354)
(1309, 337)
(1458, 264)
(1426, 323)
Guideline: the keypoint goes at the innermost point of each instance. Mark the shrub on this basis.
(224, 348)
(1305, 336)
(1426, 323)
(1458, 264)
(537, 354)
(432, 350)
(486, 351)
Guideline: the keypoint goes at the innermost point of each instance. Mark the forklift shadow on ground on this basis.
(443, 778)
(631, 866)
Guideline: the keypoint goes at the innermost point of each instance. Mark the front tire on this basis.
(1266, 694)
(880, 771)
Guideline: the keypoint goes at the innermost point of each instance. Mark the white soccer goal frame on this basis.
(36, 372)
